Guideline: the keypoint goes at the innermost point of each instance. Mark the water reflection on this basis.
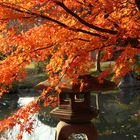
(127, 95)
(129, 87)
(8, 104)
(41, 131)
(119, 117)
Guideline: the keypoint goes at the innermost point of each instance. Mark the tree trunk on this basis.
(98, 59)
(98, 96)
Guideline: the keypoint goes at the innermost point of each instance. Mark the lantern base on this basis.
(64, 130)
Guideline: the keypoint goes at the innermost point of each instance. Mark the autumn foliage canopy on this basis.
(67, 33)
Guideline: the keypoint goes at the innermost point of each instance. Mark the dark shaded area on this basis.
(119, 117)
(8, 104)
(118, 120)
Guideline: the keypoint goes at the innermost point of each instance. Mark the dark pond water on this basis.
(119, 117)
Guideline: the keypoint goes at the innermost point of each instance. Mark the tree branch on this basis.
(83, 21)
(52, 20)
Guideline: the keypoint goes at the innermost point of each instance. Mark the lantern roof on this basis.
(84, 83)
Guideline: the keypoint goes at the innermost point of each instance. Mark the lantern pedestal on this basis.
(64, 130)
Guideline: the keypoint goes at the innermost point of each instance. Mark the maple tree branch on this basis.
(43, 48)
(81, 39)
(52, 20)
(83, 21)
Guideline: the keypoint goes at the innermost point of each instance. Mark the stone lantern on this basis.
(75, 115)
(76, 107)
(74, 110)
